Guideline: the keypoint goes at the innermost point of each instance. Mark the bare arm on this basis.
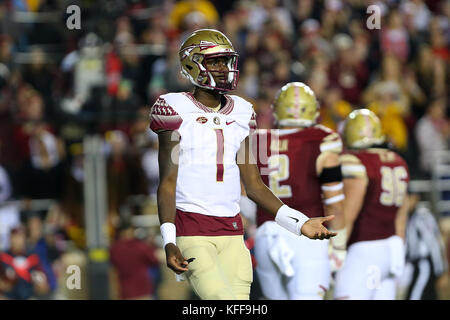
(254, 186)
(248, 207)
(331, 190)
(401, 218)
(355, 191)
(168, 172)
(263, 196)
(333, 202)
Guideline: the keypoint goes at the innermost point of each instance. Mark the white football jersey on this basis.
(208, 176)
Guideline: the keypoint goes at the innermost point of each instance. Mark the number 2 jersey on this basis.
(287, 162)
(388, 178)
(208, 186)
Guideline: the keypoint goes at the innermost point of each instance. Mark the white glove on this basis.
(397, 254)
(337, 250)
(337, 258)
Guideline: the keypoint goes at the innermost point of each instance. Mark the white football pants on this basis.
(371, 270)
(290, 267)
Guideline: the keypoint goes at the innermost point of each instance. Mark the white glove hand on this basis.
(337, 258)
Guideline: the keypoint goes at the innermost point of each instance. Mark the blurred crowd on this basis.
(58, 86)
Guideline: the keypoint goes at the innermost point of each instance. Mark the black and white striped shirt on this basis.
(5, 185)
(424, 240)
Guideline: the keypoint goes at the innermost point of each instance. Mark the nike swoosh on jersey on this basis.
(228, 123)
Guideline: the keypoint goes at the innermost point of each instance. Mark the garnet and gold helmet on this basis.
(295, 105)
(362, 129)
(206, 44)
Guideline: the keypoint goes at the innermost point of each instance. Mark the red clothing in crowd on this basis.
(351, 80)
(132, 259)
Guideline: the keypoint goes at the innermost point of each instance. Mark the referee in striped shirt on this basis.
(426, 262)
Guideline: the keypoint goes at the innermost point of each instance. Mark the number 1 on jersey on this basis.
(219, 154)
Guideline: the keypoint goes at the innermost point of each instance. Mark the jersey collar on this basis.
(229, 105)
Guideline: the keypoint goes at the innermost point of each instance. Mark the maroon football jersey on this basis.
(388, 179)
(287, 163)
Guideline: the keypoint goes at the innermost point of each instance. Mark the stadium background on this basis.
(60, 86)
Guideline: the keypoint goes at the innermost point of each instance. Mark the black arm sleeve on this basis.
(332, 174)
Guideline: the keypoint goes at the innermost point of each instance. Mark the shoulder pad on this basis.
(323, 128)
(352, 167)
(163, 116)
(331, 143)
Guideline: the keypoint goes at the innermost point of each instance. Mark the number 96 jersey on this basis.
(388, 179)
(208, 181)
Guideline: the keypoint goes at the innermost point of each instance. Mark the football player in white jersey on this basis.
(204, 152)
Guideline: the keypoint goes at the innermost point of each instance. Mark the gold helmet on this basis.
(295, 105)
(205, 44)
(362, 129)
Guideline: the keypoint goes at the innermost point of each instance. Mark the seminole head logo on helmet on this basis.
(362, 129)
(201, 46)
(295, 105)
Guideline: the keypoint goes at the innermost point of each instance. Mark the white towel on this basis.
(397, 255)
(51, 146)
(282, 255)
(279, 250)
(180, 277)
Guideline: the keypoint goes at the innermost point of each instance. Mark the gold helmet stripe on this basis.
(363, 129)
(295, 105)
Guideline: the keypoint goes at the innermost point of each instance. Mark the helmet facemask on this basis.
(201, 46)
(206, 77)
